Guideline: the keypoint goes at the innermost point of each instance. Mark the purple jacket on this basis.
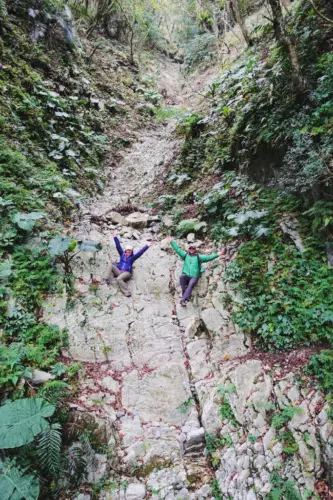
(126, 264)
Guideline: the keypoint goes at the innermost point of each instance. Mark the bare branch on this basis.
(320, 14)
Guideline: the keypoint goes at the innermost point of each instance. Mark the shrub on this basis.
(286, 302)
(201, 49)
(188, 225)
(321, 367)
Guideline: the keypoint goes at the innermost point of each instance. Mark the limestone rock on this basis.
(289, 227)
(195, 440)
(135, 491)
(194, 327)
(168, 221)
(158, 394)
(116, 218)
(212, 319)
(137, 220)
(155, 355)
(39, 377)
(165, 245)
(110, 384)
(146, 108)
(99, 468)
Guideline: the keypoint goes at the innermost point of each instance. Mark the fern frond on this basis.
(48, 450)
(76, 464)
(87, 449)
(54, 391)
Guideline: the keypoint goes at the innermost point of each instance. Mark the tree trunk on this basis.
(282, 37)
(235, 9)
(278, 23)
(131, 45)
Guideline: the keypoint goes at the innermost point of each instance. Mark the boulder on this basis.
(190, 237)
(146, 108)
(212, 319)
(195, 440)
(154, 218)
(165, 245)
(290, 227)
(116, 218)
(137, 220)
(135, 491)
(195, 327)
(168, 221)
(39, 377)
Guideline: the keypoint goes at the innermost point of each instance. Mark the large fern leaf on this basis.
(16, 486)
(54, 391)
(22, 420)
(48, 449)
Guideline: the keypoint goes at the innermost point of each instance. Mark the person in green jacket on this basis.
(191, 268)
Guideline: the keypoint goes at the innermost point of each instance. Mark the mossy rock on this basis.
(79, 422)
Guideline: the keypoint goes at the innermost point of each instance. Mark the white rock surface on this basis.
(135, 491)
(39, 377)
(137, 220)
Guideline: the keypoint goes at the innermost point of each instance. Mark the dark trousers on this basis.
(187, 283)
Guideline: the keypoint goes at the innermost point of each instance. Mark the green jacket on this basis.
(191, 265)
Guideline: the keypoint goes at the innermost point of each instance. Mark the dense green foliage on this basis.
(286, 302)
(201, 50)
(321, 366)
(15, 484)
(257, 123)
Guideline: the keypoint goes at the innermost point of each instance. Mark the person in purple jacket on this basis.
(122, 270)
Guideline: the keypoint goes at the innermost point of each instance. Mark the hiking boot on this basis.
(183, 303)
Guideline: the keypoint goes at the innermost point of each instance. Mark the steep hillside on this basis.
(209, 123)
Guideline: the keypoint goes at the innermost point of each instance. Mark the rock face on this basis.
(170, 381)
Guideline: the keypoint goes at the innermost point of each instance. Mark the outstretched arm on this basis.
(179, 251)
(118, 245)
(213, 256)
(208, 258)
(140, 252)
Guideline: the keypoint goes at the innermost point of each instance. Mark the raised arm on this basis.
(179, 251)
(140, 252)
(213, 256)
(208, 258)
(118, 245)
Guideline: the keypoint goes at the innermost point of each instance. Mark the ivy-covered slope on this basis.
(255, 172)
